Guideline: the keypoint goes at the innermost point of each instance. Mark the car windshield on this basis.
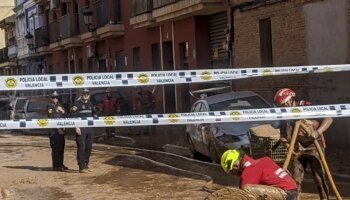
(239, 104)
(20, 104)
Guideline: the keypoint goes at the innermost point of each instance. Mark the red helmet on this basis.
(283, 95)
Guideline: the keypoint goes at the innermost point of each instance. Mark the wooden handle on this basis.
(325, 166)
(291, 145)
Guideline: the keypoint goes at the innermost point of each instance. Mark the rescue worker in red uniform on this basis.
(110, 107)
(307, 153)
(257, 175)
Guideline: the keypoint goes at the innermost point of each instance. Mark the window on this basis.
(80, 70)
(64, 9)
(90, 65)
(137, 58)
(156, 57)
(120, 59)
(50, 69)
(265, 42)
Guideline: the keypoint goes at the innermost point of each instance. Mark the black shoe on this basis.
(64, 167)
(57, 169)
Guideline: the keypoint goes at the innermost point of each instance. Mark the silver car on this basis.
(213, 139)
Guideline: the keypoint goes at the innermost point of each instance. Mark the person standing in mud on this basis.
(57, 138)
(84, 136)
(110, 107)
(262, 178)
(307, 152)
(144, 103)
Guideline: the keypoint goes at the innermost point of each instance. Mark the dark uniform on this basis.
(84, 141)
(308, 155)
(57, 139)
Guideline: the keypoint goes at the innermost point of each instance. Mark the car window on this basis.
(33, 107)
(241, 103)
(20, 104)
(3, 105)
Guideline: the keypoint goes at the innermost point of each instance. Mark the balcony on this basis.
(107, 23)
(4, 58)
(141, 13)
(68, 26)
(4, 55)
(177, 9)
(12, 51)
(54, 32)
(42, 40)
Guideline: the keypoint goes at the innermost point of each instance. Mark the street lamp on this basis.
(30, 41)
(87, 13)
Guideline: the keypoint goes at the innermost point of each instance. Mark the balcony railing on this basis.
(41, 37)
(108, 11)
(54, 31)
(4, 55)
(161, 3)
(141, 6)
(12, 51)
(68, 26)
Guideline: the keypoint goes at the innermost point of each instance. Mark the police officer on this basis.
(84, 136)
(57, 139)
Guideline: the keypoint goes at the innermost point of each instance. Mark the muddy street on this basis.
(127, 172)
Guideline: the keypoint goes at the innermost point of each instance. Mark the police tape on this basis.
(115, 79)
(233, 116)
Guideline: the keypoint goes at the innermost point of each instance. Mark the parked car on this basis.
(213, 139)
(4, 108)
(29, 108)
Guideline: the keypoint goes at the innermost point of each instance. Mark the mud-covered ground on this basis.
(119, 172)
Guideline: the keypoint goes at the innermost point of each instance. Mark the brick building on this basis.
(296, 32)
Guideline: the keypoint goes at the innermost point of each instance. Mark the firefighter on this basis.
(261, 177)
(307, 153)
(57, 138)
(110, 107)
(84, 136)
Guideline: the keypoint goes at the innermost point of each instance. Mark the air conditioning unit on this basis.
(54, 4)
(90, 50)
(41, 9)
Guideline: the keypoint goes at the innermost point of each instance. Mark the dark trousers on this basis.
(110, 131)
(57, 142)
(84, 144)
(298, 167)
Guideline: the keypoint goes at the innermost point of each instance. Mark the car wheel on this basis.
(214, 154)
(194, 154)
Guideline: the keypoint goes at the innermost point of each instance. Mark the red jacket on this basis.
(109, 106)
(265, 171)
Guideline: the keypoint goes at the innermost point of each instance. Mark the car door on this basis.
(191, 129)
(197, 136)
(19, 109)
(203, 131)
